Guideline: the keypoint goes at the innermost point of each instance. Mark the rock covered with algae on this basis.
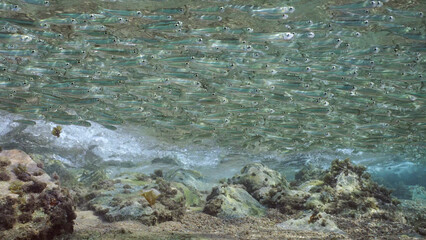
(259, 181)
(148, 199)
(32, 206)
(344, 189)
(232, 202)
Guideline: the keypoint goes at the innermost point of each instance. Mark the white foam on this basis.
(127, 143)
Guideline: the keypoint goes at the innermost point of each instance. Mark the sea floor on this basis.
(198, 225)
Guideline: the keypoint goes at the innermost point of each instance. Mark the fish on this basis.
(259, 76)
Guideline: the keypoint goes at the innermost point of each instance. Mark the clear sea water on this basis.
(215, 85)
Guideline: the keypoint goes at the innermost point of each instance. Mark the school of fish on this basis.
(275, 76)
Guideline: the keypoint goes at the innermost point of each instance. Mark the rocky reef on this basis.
(147, 199)
(344, 189)
(315, 199)
(339, 202)
(32, 205)
(347, 190)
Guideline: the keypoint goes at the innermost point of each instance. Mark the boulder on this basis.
(230, 202)
(344, 189)
(149, 201)
(32, 206)
(260, 181)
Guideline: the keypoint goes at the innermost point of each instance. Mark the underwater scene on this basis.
(212, 119)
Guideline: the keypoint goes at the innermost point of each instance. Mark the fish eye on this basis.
(169, 17)
(73, 20)
(139, 13)
(339, 40)
(291, 8)
(391, 18)
(200, 40)
(46, 3)
(367, 11)
(420, 14)
(347, 45)
(308, 69)
(333, 67)
(365, 22)
(357, 34)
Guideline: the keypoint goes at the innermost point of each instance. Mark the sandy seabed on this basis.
(197, 225)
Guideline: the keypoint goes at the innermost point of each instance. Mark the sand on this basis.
(197, 225)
